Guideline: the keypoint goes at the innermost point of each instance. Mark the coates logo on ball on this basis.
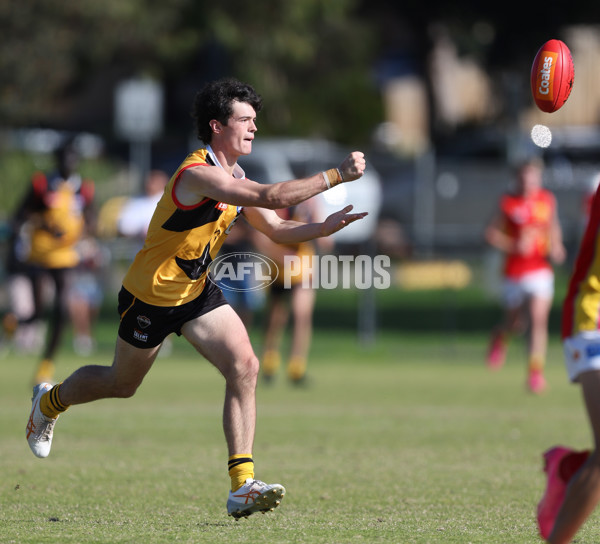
(552, 76)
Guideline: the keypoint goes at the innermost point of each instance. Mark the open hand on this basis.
(339, 220)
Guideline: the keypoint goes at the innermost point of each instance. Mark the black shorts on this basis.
(146, 326)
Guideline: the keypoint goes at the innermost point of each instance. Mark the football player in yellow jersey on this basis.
(57, 212)
(166, 288)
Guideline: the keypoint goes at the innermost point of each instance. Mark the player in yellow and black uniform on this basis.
(166, 288)
(57, 212)
(171, 269)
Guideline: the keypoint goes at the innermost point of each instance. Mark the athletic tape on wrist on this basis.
(333, 177)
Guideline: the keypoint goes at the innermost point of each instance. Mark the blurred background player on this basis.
(297, 300)
(137, 211)
(242, 292)
(573, 486)
(57, 212)
(86, 294)
(527, 231)
(27, 338)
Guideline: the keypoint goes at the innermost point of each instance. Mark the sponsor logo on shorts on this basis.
(140, 336)
(143, 321)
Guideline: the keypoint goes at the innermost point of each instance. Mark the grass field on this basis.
(411, 440)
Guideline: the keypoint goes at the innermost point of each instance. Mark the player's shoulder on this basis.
(198, 157)
(509, 200)
(544, 196)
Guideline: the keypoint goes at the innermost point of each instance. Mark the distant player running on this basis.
(166, 288)
(527, 230)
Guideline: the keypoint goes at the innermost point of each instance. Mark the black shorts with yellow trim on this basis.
(146, 326)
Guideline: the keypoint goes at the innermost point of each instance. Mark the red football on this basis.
(552, 76)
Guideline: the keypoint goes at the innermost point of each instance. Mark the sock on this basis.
(45, 371)
(50, 404)
(241, 467)
(536, 363)
(271, 362)
(296, 368)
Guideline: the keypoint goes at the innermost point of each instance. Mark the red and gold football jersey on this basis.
(581, 308)
(529, 221)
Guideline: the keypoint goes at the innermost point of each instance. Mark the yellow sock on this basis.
(50, 404)
(271, 362)
(45, 371)
(536, 363)
(241, 467)
(296, 368)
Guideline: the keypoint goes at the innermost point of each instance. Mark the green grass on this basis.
(411, 440)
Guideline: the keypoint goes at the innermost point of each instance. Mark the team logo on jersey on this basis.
(143, 321)
(221, 206)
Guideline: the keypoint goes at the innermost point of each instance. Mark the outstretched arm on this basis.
(213, 182)
(284, 231)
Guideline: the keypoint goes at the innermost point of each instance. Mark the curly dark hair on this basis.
(214, 101)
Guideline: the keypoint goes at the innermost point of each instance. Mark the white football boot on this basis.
(39, 428)
(254, 496)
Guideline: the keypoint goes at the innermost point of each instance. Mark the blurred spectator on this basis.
(56, 213)
(86, 294)
(298, 300)
(136, 213)
(527, 231)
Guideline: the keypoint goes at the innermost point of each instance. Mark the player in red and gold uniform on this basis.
(573, 486)
(527, 230)
(167, 290)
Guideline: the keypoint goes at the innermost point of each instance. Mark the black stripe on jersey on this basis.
(194, 268)
(182, 220)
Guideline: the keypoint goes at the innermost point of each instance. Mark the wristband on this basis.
(333, 177)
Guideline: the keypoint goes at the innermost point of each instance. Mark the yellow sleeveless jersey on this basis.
(182, 241)
(59, 223)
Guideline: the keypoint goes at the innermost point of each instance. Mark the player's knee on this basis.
(245, 369)
(126, 390)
